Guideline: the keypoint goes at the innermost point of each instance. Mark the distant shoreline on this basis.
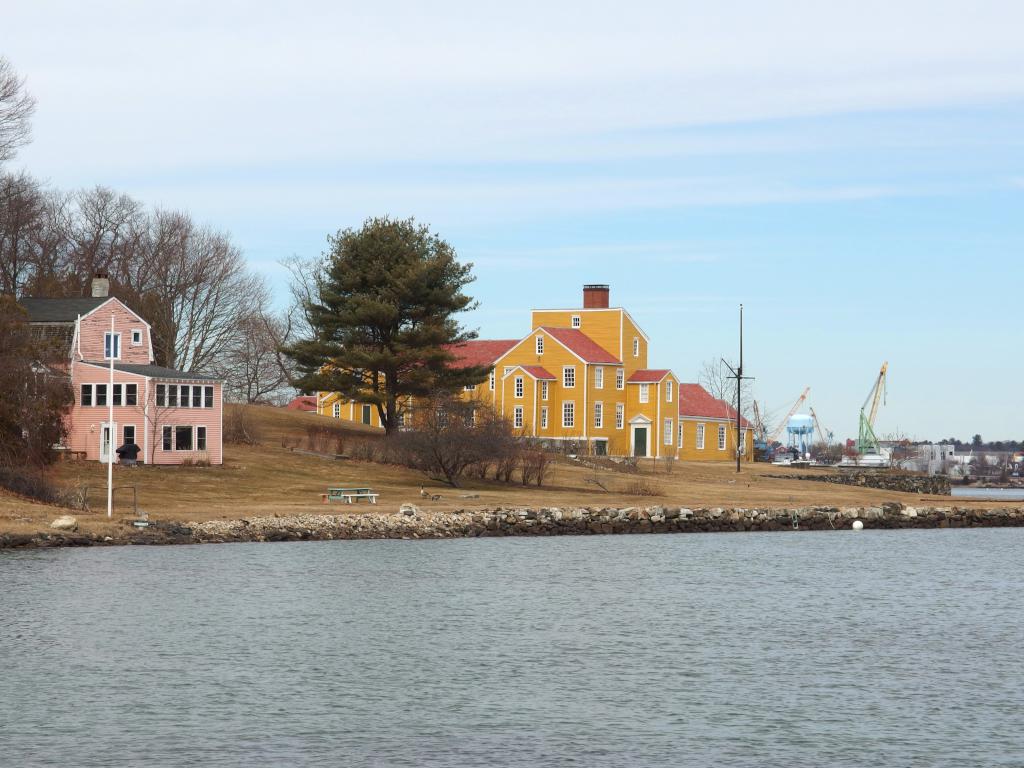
(413, 523)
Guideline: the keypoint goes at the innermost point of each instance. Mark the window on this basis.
(136, 337)
(543, 390)
(636, 347)
(620, 416)
(183, 438)
(172, 395)
(620, 378)
(469, 388)
(208, 395)
(668, 390)
(519, 387)
(118, 395)
(366, 414)
(167, 432)
(575, 321)
(101, 394)
(568, 414)
(131, 394)
(509, 369)
(700, 437)
(491, 381)
(337, 410)
(599, 377)
(540, 345)
(200, 438)
(111, 346)
(668, 432)
(743, 441)
(161, 395)
(645, 393)
(569, 376)
(680, 433)
(598, 415)
(517, 417)
(183, 400)
(721, 437)
(197, 397)
(86, 397)
(129, 433)
(544, 417)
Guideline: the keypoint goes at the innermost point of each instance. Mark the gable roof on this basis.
(480, 352)
(648, 376)
(581, 345)
(537, 371)
(61, 310)
(695, 401)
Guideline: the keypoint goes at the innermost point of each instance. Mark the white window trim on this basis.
(598, 377)
(337, 409)
(668, 390)
(544, 417)
(517, 417)
(206, 433)
(576, 321)
(620, 378)
(569, 409)
(722, 439)
(540, 345)
(491, 380)
(598, 414)
(645, 393)
(669, 436)
(680, 433)
(117, 338)
(700, 437)
(620, 416)
(518, 387)
(544, 390)
(567, 372)
(636, 346)
(136, 332)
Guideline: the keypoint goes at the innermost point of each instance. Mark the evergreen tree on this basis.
(383, 318)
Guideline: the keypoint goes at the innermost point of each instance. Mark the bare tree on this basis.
(714, 376)
(16, 108)
(251, 364)
(22, 217)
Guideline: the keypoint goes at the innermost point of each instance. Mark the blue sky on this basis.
(852, 172)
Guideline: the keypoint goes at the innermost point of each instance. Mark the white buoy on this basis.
(857, 525)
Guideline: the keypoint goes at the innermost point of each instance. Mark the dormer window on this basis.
(136, 337)
(111, 346)
(575, 321)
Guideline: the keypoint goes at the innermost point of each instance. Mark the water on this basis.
(992, 494)
(897, 648)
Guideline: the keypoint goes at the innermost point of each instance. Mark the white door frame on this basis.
(104, 426)
(644, 423)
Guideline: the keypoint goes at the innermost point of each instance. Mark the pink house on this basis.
(172, 415)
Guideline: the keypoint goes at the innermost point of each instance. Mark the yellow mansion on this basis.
(582, 375)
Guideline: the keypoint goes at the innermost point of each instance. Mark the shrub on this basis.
(642, 487)
(33, 484)
(240, 427)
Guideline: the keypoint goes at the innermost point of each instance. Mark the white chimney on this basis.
(100, 286)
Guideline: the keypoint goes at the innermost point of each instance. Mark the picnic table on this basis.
(349, 495)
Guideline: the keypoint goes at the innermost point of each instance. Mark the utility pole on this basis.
(737, 373)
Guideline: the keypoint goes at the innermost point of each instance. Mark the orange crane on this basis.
(824, 434)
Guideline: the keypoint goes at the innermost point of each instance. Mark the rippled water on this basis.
(899, 648)
(994, 494)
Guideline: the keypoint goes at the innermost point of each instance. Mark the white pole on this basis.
(110, 427)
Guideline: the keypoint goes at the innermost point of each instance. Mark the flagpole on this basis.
(110, 426)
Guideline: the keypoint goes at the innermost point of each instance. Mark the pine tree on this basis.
(384, 318)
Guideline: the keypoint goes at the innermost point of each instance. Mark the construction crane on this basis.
(867, 442)
(782, 424)
(825, 435)
(760, 430)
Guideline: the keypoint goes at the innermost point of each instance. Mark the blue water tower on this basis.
(800, 429)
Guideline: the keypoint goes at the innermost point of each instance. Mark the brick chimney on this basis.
(100, 286)
(595, 296)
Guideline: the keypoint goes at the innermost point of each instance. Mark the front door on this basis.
(106, 450)
(639, 441)
(366, 414)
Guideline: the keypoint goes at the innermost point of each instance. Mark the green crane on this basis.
(867, 442)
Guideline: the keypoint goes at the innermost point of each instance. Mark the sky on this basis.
(851, 172)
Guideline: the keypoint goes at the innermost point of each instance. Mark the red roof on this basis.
(648, 376)
(537, 371)
(303, 403)
(480, 352)
(584, 346)
(695, 401)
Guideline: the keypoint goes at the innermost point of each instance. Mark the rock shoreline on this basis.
(413, 523)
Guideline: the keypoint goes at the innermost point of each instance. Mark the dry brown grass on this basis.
(267, 479)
